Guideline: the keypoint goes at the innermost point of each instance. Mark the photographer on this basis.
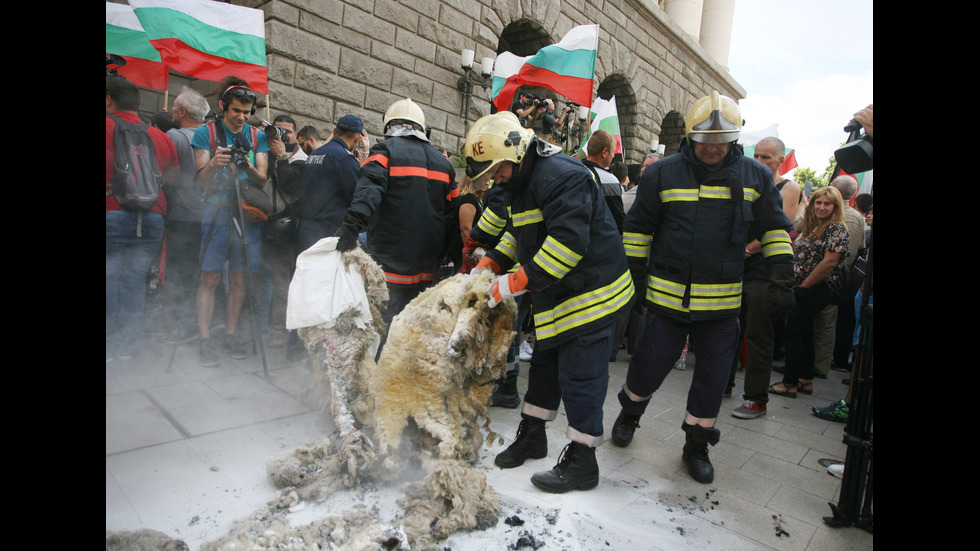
(289, 157)
(548, 122)
(279, 244)
(223, 161)
(526, 108)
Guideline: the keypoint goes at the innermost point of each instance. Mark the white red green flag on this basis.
(124, 36)
(567, 68)
(604, 116)
(206, 39)
(789, 163)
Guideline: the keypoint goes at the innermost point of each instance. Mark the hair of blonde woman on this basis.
(466, 186)
(815, 228)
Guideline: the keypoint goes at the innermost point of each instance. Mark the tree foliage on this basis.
(803, 175)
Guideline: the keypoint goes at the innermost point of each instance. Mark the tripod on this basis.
(237, 225)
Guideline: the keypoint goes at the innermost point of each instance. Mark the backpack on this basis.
(136, 180)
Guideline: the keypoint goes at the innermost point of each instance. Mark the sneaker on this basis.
(526, 352)
(681, 363)
(207, 355)
(836, 412)
(234, 348)
(837, 469)
(749, 410)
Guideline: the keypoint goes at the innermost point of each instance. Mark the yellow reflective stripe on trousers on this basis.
(776, 242)
(555, 258)
(507, 246)
(637, 245)
(584, 308)
(527, 217)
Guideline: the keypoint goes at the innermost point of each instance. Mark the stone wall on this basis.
(327, 58)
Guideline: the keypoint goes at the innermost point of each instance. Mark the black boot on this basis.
(576, 470)
(696, 451)
(623, 428)
(506, 395)
(531, 443)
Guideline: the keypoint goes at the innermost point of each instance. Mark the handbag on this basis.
(282, 228)
(256, 204)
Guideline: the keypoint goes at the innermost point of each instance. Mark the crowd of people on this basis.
(709, 249)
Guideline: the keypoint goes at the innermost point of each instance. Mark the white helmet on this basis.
(495, 138)
(405, 111)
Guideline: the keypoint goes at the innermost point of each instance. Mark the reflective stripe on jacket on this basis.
(689, 232)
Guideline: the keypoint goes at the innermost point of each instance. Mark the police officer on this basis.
(572, 264)
(685, 240)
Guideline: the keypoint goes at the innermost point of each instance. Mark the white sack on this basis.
(323, 288)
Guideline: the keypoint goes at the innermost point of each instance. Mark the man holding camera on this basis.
(548, 121)
(223, 162)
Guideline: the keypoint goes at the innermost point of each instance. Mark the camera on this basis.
(239, 153)
(275, 132)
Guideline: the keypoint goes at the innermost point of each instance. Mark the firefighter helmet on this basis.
(495, 138)
(405, 111)
(714, 119)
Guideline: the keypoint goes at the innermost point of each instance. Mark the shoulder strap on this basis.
(211, 135)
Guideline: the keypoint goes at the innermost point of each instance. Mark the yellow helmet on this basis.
(714, 119)
(495, 138)
(405, 110)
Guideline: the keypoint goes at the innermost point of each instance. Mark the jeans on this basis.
(127, 260)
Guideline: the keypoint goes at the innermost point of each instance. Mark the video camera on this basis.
(858, 154)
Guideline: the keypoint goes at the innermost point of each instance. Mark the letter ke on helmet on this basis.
(495, 138)
(405, 111)
(714, 119)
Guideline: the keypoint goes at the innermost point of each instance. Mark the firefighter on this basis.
(573, 266)
(685, 240)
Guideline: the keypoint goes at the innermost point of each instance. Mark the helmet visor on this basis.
(475, 169)
(714, 137)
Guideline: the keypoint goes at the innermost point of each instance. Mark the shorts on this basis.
(224, 243)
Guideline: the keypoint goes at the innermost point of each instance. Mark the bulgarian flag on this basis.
(206, 39)
(604, 116)
(567, 68)
(124, 36)
(789, 163)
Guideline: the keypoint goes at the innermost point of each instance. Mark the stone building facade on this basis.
(327, 58)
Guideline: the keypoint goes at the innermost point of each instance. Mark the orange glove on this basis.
(487, 262)
(510, 285)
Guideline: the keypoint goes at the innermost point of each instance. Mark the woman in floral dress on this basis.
(819, 253)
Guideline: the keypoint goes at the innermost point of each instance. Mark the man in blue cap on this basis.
(329, 179)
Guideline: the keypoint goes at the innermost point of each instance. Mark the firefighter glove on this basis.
(510, 285)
